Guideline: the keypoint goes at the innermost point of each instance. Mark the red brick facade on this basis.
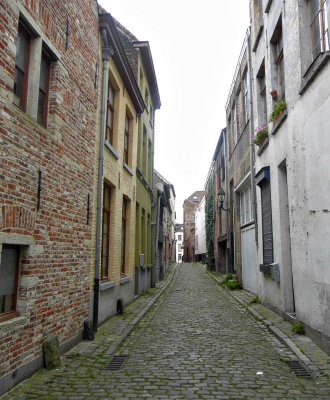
(52, 233)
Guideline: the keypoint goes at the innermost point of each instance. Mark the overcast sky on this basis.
(195, 46)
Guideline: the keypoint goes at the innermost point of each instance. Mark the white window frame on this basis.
(246, 209)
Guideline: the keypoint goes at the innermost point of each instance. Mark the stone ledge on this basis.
(107, 285)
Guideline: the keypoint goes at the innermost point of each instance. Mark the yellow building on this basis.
(114, 197)
(142, 65)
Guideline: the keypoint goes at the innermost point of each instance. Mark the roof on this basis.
(196, 197)
(165, 181)
(121, 61)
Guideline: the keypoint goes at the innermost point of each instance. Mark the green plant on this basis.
(231, 283)
(260, 134)
(254, 300)
(279, 106)
(298, 328)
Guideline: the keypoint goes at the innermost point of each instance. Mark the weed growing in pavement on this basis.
(146, 293)
(298, 328)
(231, 283)
(255, 300)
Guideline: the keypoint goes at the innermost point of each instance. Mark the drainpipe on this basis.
(227, 191)
(107, 52)
(253, 200)
(159, 193)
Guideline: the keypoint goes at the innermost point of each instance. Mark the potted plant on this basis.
(260, 134)
(278, 109)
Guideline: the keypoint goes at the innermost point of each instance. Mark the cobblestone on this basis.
(196, 342)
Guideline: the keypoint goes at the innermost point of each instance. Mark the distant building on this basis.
(179, 242)
(200, 233)
(190, 206)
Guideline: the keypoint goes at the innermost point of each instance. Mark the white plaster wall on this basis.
(303, 143)
(200, 247)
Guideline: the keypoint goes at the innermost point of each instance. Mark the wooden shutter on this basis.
(267, 232)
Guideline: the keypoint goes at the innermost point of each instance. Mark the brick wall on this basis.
(55, 258)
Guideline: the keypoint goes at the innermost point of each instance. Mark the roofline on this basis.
(220, 140)
(241, 54)
(148, 63)
(120, 58)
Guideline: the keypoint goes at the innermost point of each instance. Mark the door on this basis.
(249, 259)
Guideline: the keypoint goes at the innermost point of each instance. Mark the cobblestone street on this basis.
(196, 342)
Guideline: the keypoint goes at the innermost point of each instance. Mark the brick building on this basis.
(116, 138)
(190, 205)
(48, 107)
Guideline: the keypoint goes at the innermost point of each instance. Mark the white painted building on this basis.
(200, 232)
(291, 59)
(179, 242)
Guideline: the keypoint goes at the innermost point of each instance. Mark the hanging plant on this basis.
(260, 135)
(278, 109)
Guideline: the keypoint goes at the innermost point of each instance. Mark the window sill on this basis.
(111, 149)
(266, 269)
(313, 70)
(278, 123)
(124, 280)
(247, 224)
(263, 146)
(128, 169)
(9, 316)
(107, 285)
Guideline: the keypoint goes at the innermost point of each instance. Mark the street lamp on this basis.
(221, 199)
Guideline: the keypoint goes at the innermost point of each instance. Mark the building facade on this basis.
(48, 119)
(291, 73)
(120, 101)
(240, 187)
(200, 232)
(139, 55)
(179, 242)
(190, 206)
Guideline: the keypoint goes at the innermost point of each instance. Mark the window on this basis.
(318, 27)
(263, 181)
(261, 95)
(126, 140)
(22, 67)
(144, 152)
(234, 124)
(123, 236)
(179, 237)
(246, 97)
(106, 232)
(9, 271)
(143, 232)
(277, 41)
(246, 206)
(110, 114)
(149, 162)
(43, 89)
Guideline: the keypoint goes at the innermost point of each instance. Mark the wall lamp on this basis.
(221, 199)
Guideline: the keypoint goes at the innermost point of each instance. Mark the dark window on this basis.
(262, 101)
(126, 140)
(318, 27)
(123, 236)
(43, 89)
(267, 230)
(106, 232)
(110, 114)
(9, 270)
(277, 44)
(22, 67)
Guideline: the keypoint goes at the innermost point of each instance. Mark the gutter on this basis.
(107, 52)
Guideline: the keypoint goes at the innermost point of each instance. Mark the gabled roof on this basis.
(122, 62)
(131, 44)
(165, 181)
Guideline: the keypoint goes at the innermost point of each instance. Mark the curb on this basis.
(131, 325)
(272, 328)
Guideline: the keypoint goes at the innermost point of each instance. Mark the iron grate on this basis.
(116, 363)
(300, 370)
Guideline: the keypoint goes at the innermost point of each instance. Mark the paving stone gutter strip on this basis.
(274, 329)
(131, 325)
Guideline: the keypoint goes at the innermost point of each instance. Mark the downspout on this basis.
(227, 191)
(107, 52)
(253, 200)
(153, 238)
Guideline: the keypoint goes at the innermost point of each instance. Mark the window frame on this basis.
(13, 312)
(246, 96)
(126, 139)
(110, 108)
(25, 82)
(43, 121)
(123, 237)
(106, 214)
(323, 37)
(246, 209)
(279, 61)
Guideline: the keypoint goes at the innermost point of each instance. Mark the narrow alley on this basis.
(195, 342)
